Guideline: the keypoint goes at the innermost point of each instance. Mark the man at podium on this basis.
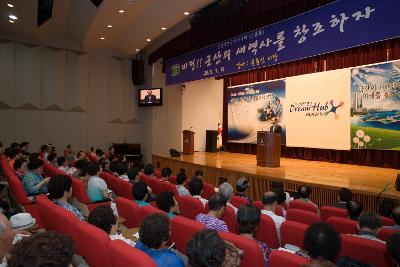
(275, 128)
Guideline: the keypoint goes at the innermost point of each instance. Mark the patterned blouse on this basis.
(70, 208)
(182, 191)
(212, 223)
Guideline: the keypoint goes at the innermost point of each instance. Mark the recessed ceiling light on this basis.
(148, 40)
(163, 28)
(10, 5)
(109, 26)
(102, 38)
(121, 11)
(186, 13)
(13, 17)
(11, 21)
(137, 50)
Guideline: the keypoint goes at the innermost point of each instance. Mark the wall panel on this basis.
(7, 75)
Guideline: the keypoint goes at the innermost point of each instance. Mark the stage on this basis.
(324, 178)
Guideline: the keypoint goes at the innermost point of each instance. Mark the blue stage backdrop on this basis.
(339, 25)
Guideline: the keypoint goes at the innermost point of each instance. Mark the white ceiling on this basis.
(78, 24)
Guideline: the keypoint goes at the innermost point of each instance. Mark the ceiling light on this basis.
(148, 40)
(10, 5)
(13, 17)
(137, 50)
(121, 11)
(109, 26)
(163, 28)
(102, 38)
(186, 13)
(11, 21)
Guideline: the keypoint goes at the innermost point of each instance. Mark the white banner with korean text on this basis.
(318, 110)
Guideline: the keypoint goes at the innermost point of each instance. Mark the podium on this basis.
(268, 149)
(188, 142)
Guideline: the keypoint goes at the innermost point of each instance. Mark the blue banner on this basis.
(340, 25)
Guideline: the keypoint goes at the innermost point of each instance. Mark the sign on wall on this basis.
(340, 25)
(375, 106)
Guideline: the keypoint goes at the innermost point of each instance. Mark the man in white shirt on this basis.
(226, 190)
(196, 189)
(62, 164)
(270, 202)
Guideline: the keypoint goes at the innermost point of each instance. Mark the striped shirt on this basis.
(212, 222)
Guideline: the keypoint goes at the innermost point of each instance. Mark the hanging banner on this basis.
(253, 108)
(318, 110)
(375, 109)
(337, 26)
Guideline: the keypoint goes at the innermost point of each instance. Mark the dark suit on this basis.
(277, 130)
(150, 99)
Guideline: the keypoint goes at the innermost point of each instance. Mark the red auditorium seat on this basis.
(267, 232)
(123, 255)
(293, 233)
(286, 259)
(230, 219)
(155, 185)
(157, 173)
(327, 211)
(208, 190)
(146, 211)
(125, 189)
(364, 250)
(45, 208)
(385, 233)
(93, 245)
(387, 221)
(172, 180)
(302, 216)
(168, 187)
(190, 207)
(92, 158)
(51, 171)
(343, 225)
(253, 254)
(65, 223)
(79, 192)
(301, 205)
(258, 204)
(238, 201)
(113, 182)
(128, 210)
(182, 230)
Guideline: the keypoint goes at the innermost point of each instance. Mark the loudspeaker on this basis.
(174, 153)
(45, 11)
(138, 72)
(215, 12)
(397, 185)
(211, 140)
(97, 2)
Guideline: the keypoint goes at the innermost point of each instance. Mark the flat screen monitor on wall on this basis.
(148, 97)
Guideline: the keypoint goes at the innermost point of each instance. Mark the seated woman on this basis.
(52, 159)
(248, 218)
(97, 188)
(62, 164)
(105, 165)
(167, 203)
(33, 182)
(180, 181)
(20, 167)
(212, 220)
(154, 235)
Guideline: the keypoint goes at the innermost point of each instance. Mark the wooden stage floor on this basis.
(360, 179)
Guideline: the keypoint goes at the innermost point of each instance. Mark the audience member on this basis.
(196, 189)
(42, 249)
(166, 202)
(105, 165)
(140, 193)
(34, 156)
(149, 170)
(206, 249)
(248, 218)
(100, 154)
(322, 244)
(241, 185)
(52, 159)
(43, 151)
(97, 188)
(81, 155)
(385, 208)
(226, 190)
(277, 186)
(122, 170)
(165, 174)
(12, 155)
(62, 164)
(81, 166)
(67, 150)
(33, 182)
(281, 195)
(23, 148)
(304, 193)
(71, 164)
(180, 181)
(199, 173)
(110, 153)
(60, 191)
(270, 202)
(212, 220)
(345, 195)
(133, 175)
(93, 152)
(369, 225)
(393, 247)
(154, 235)
(396, 218)
(22, 222)
(6, 239)
(20, 167)
(354, 209)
